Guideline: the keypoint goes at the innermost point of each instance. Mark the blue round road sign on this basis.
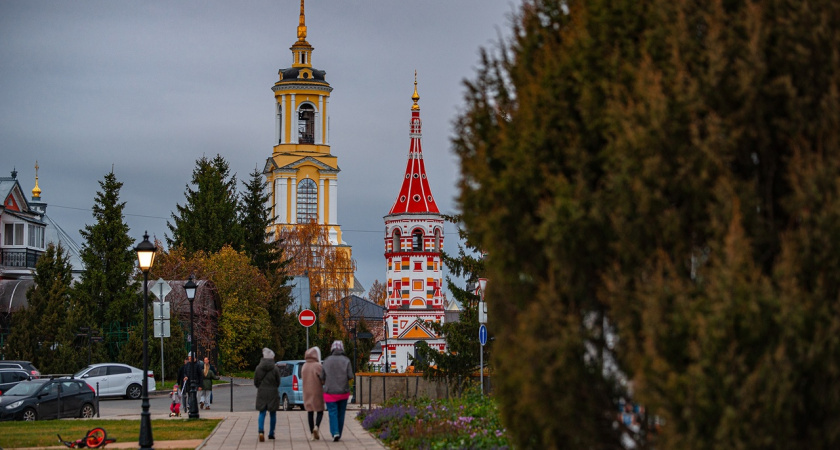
(482, 334)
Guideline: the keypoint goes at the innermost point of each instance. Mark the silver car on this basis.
(114, 379)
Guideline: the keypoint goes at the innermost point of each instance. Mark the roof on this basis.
(415, 194)
(360, 308)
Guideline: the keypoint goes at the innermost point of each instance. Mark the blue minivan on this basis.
(291, 385)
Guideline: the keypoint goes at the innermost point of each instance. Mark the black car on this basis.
(10, 377)
(48, 399)
(23, 365)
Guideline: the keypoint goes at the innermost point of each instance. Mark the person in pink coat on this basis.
(313, 391)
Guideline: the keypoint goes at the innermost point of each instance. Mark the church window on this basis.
(416, 198)
(397, 244)
(437, 241)
(306, 124)
(279, 120)
(417, 241)
(307, 201)
(302, 58)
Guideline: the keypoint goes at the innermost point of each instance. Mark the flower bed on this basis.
(468, 422)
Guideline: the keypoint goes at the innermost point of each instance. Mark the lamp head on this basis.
(318, 297)
(482, 285)
(190, 288)
(145, 253)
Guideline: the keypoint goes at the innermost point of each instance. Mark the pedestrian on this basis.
(182, 379)
(267, 380)
(175, 406)
(313, 391)
(336, 376)
(208, 375)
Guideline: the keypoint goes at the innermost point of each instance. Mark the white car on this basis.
(114, 379)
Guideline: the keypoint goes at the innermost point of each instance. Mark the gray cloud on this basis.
(149, 87)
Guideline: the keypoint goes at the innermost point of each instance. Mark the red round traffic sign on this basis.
(306, 318)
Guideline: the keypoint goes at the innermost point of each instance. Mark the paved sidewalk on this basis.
(239, 431)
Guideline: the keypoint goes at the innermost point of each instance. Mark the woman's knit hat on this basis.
(267, 353)
(337, 345)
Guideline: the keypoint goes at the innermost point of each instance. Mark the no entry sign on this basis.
(306, 318)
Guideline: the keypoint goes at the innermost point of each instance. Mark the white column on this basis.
(327, 118)
(319, 139)
(294, 131)
(334, 200)
(276, 123)
(282, 126)
(280, 196)
(321, 192)
(293, 219)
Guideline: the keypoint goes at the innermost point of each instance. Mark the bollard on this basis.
(231, 394)
(97, 399)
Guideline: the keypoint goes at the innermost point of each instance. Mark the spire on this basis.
(415, 195)
(36, 191)
(301, 31)
(415, 97)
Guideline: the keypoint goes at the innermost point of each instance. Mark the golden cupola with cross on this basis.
(302, 172)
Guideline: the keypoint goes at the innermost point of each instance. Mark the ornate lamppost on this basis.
(190, 288)
(145, 258)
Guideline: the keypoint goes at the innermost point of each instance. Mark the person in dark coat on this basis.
(313, 391)
(336, 376)
(267, 380)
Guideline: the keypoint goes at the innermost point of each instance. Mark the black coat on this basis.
(267, 380)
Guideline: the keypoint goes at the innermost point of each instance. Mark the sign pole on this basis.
(482, 339)
(162, 373)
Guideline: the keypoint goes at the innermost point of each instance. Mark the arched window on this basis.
(307, 201)
(417, 241)
(438, 240)
(397, 244)
(279, 124)
(306, 124)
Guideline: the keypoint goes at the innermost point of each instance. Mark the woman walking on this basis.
(207, 384)
(313, 392)
(336, 376)
(267, 380)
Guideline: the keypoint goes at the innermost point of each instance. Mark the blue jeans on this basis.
(336, 411)
(272, 422)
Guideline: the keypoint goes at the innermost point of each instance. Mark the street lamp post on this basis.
(190, 288)
(318, 322)
(145, 258)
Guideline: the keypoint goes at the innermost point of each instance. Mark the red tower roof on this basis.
(415, 193)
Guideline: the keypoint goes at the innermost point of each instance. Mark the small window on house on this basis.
(14, 234)
(417, 241)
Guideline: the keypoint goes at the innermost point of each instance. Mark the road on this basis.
(244, 397)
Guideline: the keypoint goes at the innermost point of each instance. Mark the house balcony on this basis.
(19, 258)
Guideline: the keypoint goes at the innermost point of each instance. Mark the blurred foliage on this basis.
(655, 183)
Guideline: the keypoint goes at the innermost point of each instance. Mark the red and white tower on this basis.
(413, 246)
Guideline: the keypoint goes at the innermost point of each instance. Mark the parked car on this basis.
(47, 398)
(10, 377)
(116, 379)
(291, 386)
(23, 365)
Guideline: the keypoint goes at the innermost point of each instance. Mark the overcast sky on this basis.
(149, 87)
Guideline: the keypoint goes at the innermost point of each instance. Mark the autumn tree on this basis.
(209, 220)
(655, 184)
(378, 292)
(329, 267)
(107, 292)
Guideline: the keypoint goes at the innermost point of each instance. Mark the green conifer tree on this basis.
(107, 291)
(209, 220)
(37, 333)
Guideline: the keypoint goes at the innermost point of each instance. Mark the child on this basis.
(175, 407)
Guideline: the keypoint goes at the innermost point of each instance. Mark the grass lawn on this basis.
(43, 433)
